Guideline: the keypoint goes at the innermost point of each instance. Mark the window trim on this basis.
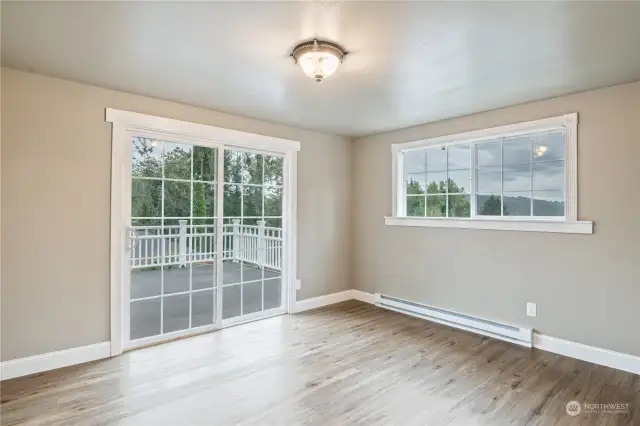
(567, 123)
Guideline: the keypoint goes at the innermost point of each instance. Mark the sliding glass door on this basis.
(205, 243)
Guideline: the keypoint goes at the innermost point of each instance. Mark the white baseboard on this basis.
(52, 360)
(320, 301)
(363, 296)
(588, 353)
(617, 360)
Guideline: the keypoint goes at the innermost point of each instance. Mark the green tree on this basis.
(146, 161)
(204, 169)
(177, 163)
(414, 187)
(146, 200)
(232, 167)
(273, 170)
(199, 202)
(436, 205)
(244, 174)
(204, 164)
(416, 206)
(459, 204)
(491, 206)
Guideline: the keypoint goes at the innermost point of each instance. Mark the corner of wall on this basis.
(352, 219)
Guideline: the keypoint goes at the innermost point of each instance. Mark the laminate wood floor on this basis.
(347, 364)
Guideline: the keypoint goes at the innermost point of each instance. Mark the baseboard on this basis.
(320, 301)
(617, 360)
(52, 360)
(363, 296)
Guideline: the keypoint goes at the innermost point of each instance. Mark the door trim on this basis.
(177, 128)
(126, 123)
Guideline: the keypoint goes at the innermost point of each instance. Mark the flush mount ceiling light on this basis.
(318, 58)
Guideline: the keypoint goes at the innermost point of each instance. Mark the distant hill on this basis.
(515, 206)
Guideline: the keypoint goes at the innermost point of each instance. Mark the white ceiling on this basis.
(409, 62)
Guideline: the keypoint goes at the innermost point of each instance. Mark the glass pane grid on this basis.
(252, 224)
(525, 163)
(438, 181)
(173, 193)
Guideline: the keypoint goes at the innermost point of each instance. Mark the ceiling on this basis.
(409, 62)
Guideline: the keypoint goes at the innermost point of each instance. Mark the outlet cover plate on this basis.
(532, 309)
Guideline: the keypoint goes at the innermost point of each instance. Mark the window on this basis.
(520, 176)
(524, 172)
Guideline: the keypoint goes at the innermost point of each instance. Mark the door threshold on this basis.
(159, 339)
(231, 322)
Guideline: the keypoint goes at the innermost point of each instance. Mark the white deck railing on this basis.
(183, 244)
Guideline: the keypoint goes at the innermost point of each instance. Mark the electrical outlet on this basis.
(532, 309)
(298, 284)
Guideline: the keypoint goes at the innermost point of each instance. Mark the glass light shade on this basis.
(318, 65)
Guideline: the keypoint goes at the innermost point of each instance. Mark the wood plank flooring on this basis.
(347, 364)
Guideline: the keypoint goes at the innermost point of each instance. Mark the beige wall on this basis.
(587, 287)
(55, 181)
(56, 157)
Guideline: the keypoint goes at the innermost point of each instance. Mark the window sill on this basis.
(556, 226)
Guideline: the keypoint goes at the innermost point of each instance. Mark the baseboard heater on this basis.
(517, 335)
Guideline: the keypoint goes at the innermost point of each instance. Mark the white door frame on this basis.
(125, 124)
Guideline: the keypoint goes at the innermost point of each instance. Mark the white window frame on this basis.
(568, 223)
(125, 124)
